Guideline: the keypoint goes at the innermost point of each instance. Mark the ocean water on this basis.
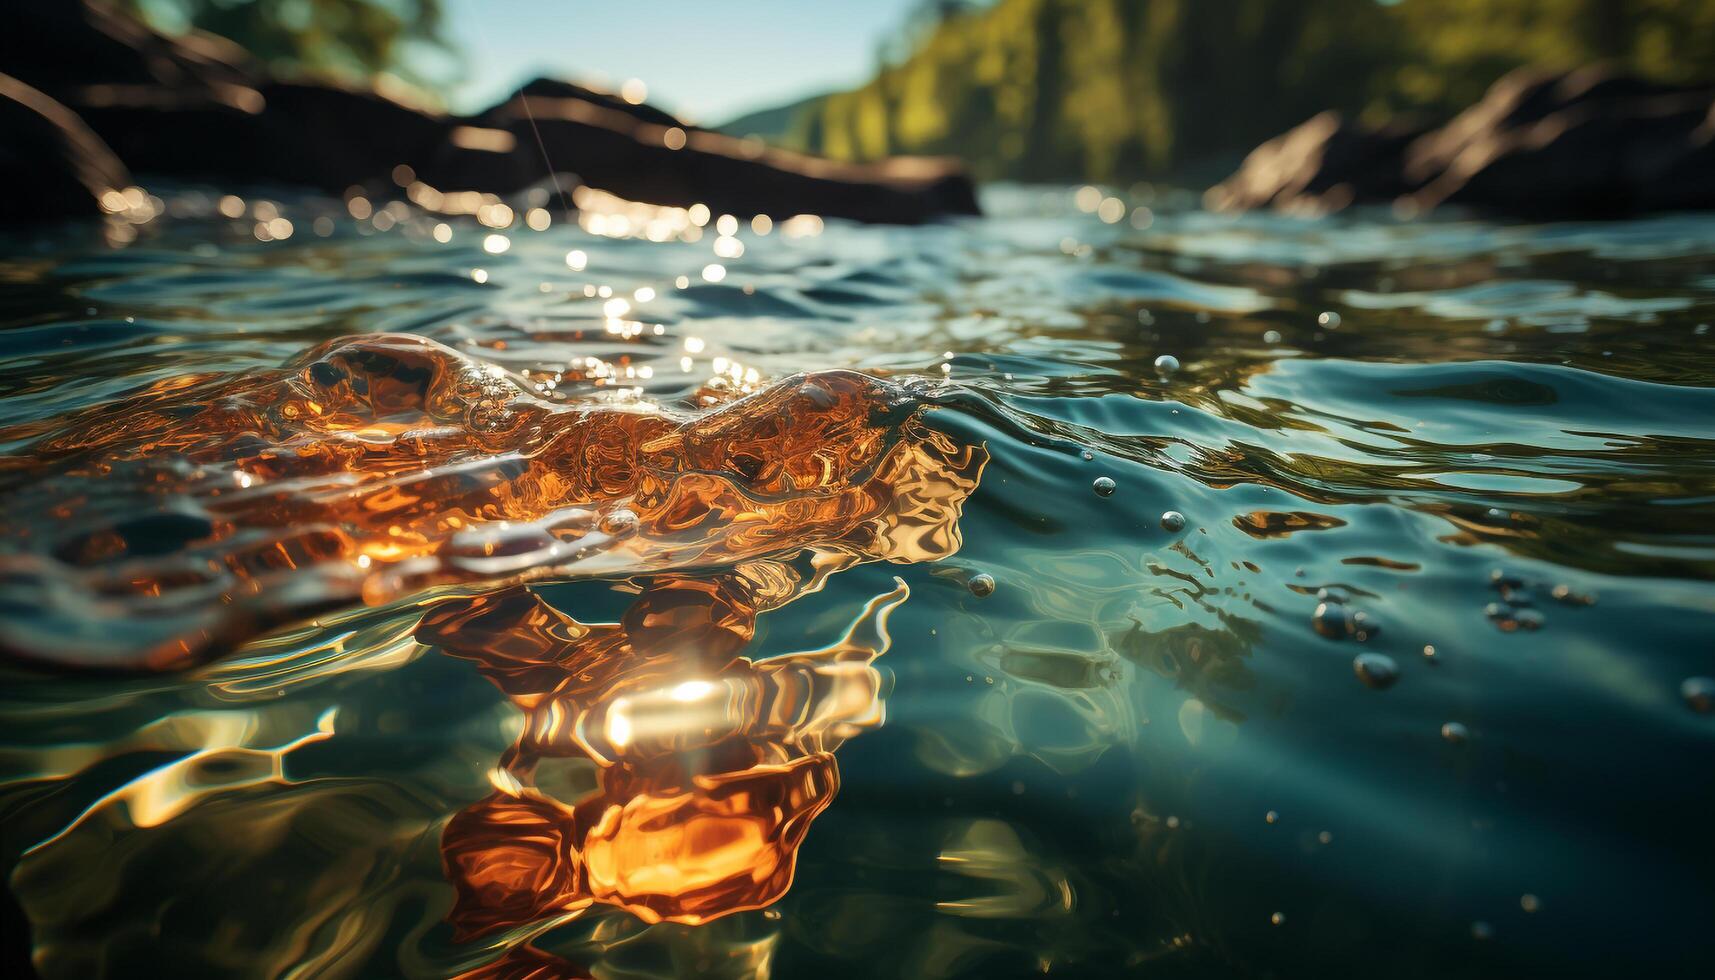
(1411, 687)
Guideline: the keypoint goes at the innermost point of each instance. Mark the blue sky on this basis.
(709, 59)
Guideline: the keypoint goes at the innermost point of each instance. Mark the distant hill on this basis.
(1150, 89)
(784, 125)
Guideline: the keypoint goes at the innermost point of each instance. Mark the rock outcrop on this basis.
(1586, 143)
(1322, 165)
(198, 107)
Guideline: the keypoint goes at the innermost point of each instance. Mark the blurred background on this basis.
(1048, 90)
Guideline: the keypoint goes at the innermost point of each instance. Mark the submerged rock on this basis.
(1585, 143)
(199, 107)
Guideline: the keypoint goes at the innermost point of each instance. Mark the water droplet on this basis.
(1332, 620)
(1376, 670)
(1173, 521)
(1330, 319)
(982, 585)
(1172, 823)
(1364, 626)
(1166, 364)
(1500, 578)
(1326, 837)
(1103, 486)
(1271, 817)
(1529, 902)
(1429, 653)
(1699, 694)
(1277, 919)
(1456, 733)
(1510, 618)
(1087, 455)
(1271, 337)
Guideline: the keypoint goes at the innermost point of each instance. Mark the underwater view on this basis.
(915, 489)
(1222, 597)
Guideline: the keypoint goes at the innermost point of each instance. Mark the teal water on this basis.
(1139, 755)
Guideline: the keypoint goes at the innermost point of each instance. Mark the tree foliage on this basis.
(1112, 89)
(349, 39)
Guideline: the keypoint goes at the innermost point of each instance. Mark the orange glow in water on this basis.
(376, 468)
(381, 469)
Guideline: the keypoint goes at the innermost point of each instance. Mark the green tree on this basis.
(344, 39)
(1123, 89)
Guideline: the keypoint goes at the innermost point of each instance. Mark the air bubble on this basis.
(1376, 670)
(1510, 618)
(982, 585)
(1364, 626)
(619, 522)
(1332, 621)
(1104, 486)
(1173, 522)
(1699, 694)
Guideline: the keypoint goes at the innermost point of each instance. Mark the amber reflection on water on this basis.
(711, 765)
(376, 468)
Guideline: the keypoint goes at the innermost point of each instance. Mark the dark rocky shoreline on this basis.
(1588, 143)
(89, 97)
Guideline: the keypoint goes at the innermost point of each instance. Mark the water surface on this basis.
(1140, 753)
